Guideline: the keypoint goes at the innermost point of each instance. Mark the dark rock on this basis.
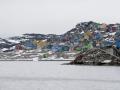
(96, 56)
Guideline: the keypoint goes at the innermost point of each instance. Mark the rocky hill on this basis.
(98, 33)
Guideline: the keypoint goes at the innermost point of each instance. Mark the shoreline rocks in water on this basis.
(96, 56)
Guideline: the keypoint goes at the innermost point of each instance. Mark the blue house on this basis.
(29, 44)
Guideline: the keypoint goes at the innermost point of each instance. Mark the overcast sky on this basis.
(53, 16)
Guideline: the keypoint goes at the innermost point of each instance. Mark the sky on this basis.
(53, 16)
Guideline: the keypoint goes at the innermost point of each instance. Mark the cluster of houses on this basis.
(83, 36)
(99, 35)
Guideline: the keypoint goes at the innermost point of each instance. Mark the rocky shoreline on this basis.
(96, 56)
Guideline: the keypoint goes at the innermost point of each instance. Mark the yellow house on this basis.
(40, 43)
(87, 35)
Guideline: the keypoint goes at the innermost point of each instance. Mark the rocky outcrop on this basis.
(96, 56)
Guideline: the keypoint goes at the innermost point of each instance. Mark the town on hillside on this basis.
(84, 36)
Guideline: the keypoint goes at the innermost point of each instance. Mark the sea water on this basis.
(52, 75)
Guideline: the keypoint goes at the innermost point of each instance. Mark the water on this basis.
(54, 76)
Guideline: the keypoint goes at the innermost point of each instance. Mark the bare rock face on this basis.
(96, 56)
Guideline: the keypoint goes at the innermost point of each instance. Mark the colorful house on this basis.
(40, 43)
(29, 44)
